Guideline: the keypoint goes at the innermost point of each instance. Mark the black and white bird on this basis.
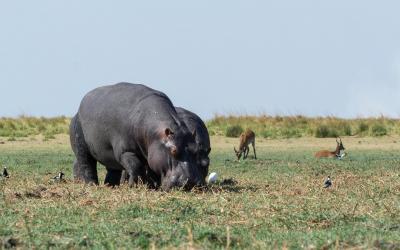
(59, 177)
(328, 182)
(5, 173)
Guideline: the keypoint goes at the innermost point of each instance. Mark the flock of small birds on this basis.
(58, 178)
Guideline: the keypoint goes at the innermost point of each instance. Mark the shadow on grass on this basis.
(226, 185)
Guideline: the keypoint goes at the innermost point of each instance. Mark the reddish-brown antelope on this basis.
(246, 138)
(331, 154)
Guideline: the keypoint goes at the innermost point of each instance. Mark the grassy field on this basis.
(276, 201)
(270, 127)
(276, 127)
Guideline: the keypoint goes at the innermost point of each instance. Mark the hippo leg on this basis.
(150, 178)
(85, 165)
(133, 166)
(113, 177)
(124, 176)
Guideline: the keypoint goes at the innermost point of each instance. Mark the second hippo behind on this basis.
(202, 138)
(124, 126)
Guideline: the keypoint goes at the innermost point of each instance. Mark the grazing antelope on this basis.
(331, 154)
(246, 138)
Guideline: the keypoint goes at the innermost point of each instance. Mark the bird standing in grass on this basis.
(59, 177)
(328, 182)
(5, 173)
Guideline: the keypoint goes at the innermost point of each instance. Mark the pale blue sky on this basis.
(279, 57)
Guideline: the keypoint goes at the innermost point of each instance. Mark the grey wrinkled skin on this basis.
(202, 139)
(134, 128)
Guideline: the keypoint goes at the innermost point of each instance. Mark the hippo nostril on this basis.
(205, 162)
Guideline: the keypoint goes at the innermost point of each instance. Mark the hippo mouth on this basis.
(181, 180)
(178, 186)
(178, 183)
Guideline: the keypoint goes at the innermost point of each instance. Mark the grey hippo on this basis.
(202, 138)
(128, 126)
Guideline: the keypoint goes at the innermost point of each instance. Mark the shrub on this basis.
(323, 131)
(290, 133)
(233, 131)
(268, 133)
(363, 128)
(378, 130)
(12, 138)
(211, 132)
(347, 130)
(49, 136)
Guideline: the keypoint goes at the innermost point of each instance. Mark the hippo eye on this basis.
(187, 150)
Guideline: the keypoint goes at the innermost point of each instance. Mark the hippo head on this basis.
(203, 160)
(175, 159)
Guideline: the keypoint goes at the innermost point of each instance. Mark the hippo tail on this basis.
(76, 137)
(73, 131)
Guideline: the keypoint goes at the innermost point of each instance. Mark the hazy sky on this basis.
(277, 57)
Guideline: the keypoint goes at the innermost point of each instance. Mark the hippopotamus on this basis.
(202, 139)
(128, 127)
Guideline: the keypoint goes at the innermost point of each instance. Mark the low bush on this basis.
(362, 128)
(269, 133)
(290, 133)
(233, 131)
(378, 130)
(323, 131)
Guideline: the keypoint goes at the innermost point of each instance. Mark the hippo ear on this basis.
(168, 132)
(174, 151)
(194, 133)
(208, 151)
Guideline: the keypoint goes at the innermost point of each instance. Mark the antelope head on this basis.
(340, 144)
(238, 153)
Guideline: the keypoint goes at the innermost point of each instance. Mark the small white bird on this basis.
(212, 178)
(328, 182)
(59, 177)
(5, 173)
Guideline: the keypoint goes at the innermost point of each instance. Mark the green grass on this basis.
(300, 126)
(277, 201)
(25, 126)
(271, 127)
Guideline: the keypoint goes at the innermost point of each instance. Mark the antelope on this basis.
(246, 138)
(331, 154)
